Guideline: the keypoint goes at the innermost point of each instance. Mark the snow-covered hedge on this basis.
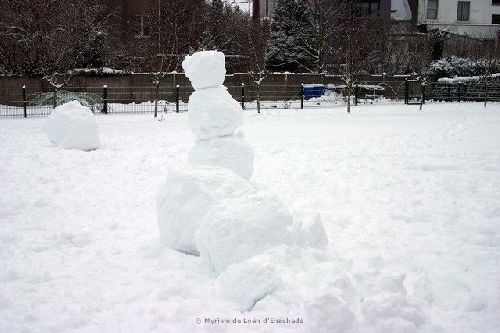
(462, 67)
(464, 79)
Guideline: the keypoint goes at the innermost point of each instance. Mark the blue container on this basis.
(313, 90)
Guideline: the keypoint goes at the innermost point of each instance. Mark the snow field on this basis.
(408, 199)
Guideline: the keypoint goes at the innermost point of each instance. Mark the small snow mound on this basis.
(242, 227)
(248, 282)
(213, 112)
(186, 197)
(73, 126)
(205, 69)
(229, 152)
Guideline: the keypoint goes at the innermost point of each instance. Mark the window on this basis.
(463, 11)
(495, 2)
(369, 7)
(495, 19)
(432, 9)
(142, 27)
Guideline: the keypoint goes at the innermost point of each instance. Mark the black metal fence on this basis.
(26, 102)
(469, 91)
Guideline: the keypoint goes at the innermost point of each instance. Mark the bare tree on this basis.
(359, 46)
(50, 38)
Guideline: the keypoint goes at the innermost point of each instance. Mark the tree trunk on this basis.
(157, 93)
(349, 99)
(258, 97)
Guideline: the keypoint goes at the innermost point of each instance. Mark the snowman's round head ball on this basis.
(205, 69)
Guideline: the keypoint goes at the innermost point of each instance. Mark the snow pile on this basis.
(242, 227)
(245, 283)
(212, 209)
(73, 126)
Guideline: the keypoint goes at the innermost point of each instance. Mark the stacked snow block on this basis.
(211, 208)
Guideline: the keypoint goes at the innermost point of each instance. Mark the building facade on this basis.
(264, 8)
(477, 19)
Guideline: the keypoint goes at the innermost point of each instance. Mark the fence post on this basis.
(105, 99)
(25, 102)
(157, 95)
(424, 86)
(459, 85)
(407, 91)
(485, 93)
(449, 93)
(356, 91)
(301, 96)
(258, 97)
(177, 95)
(242, 95)
(54, 98)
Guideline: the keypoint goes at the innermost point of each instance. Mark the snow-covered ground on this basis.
(410, 201)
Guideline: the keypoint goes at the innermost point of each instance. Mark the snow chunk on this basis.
(213, 112)
(186, 197)
(329, 314)
(311, 233)
(389, 306)
(205, 69)
(242, 227)
(248, 282)
(73, 126)
(230, 152)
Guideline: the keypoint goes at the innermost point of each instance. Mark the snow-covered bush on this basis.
(455, 66)
(73, 126)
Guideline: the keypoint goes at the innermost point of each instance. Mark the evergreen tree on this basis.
(293, 45)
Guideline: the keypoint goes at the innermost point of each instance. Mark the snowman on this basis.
(211, 208)
(214, 116)
(221, 161)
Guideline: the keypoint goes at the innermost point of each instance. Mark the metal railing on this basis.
(29, 102)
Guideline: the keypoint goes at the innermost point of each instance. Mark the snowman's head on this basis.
(205, 69)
